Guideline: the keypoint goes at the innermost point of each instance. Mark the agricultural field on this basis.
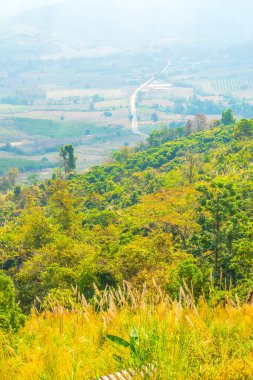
(119, 116)
(185, 90)
(26, 142)
(86, 102)
(219, 83)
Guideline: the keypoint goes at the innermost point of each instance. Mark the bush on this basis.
(11, 317)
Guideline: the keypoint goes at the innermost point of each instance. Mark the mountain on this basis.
(25, 41)
(120, 24)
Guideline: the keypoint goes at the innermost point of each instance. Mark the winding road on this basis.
(133, 101)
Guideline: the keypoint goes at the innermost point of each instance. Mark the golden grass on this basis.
(186, 341)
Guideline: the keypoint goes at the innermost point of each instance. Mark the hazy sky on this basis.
(162, 17)
(13, 7)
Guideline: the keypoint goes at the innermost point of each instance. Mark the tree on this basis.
(62, 206)
(12, 176)
(17, 191)
(190, 167)
(200, 122)
(214, 123)
(4, 184)
(33, 179)
(244, 129)
(122, 154)
(10, 314)
(190, 274)
(227, 117)
(157, 138)
(9, 181)
(189, 128)
(68, 157)
(108, 114)
(35, 229)
(225, 211)
(172, 211)
(154, 117)
(179, 108)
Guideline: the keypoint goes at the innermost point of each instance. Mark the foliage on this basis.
(178, 210)
(10, 314)
(67, 153)
(227, 117)
(244, 129)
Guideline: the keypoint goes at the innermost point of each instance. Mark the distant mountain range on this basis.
(78, 25)
(25, 41)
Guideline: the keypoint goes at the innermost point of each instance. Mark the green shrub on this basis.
(10, 314)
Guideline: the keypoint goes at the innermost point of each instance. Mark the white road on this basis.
(133, 104)
(133, 101)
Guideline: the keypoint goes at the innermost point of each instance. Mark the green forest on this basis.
(173, 216)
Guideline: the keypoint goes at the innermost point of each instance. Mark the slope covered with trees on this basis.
(177, 212)
(173, 211)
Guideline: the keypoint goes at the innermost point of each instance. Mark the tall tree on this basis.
(189, 128)
(200, 122)
(227, 117)
(67, 153)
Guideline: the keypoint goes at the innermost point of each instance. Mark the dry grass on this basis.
(186, 341)
(120, 116)
(114, 93)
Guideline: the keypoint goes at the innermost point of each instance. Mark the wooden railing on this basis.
(145, 372)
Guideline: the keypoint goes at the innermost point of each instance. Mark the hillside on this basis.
(136, 217)
(177, 212)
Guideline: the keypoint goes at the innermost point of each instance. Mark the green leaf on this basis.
(118, 359)
(118, 340)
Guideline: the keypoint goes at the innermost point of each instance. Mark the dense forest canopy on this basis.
(174, 209)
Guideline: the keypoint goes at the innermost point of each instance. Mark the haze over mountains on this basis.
(118, 24)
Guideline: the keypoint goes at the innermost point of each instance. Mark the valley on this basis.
(100, 104)
(126, 190)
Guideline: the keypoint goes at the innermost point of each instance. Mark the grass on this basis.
(22, 164)
(184, 340)
(49, 128)
(63, 129)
